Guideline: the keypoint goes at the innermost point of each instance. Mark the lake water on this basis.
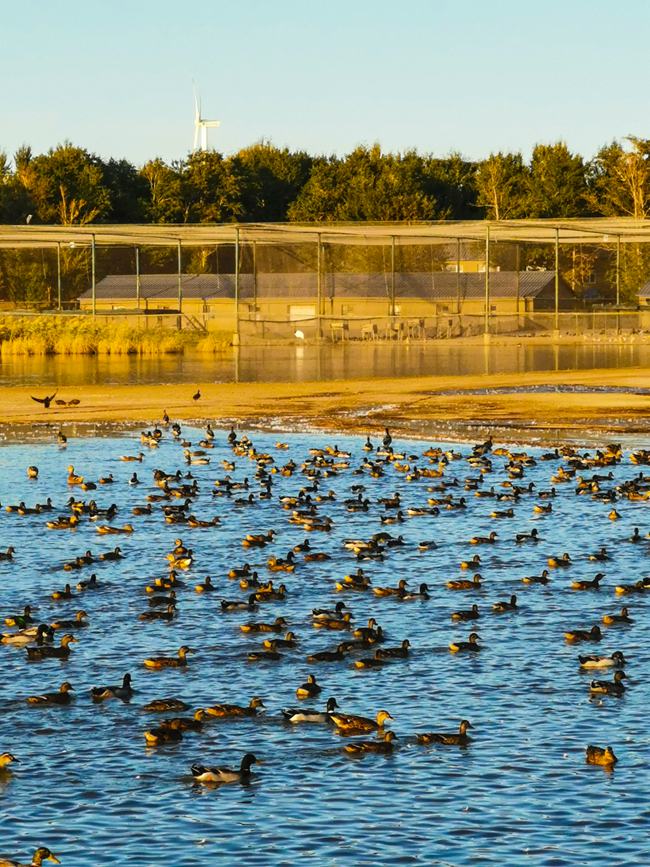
(88, 788)
(305, 363)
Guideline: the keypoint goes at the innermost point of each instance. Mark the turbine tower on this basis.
(201, 126)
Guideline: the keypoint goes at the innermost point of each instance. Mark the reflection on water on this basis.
(89, 788)
(308, 363)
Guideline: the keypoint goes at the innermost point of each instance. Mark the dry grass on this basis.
(81, 335)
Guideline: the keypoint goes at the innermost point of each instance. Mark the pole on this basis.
(618, 270)
(392, 275)
(137, 277)
(58, 274)
(92, 274)
(557, 279)
(319, 286)
(486, 326)
(180, 280)
(518, 277)
(237, 286)
(255, 279)
(458, 276)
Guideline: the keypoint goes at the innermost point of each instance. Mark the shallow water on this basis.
(521, 793)
(309, 363)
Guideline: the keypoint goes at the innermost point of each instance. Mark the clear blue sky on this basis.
(324, 75)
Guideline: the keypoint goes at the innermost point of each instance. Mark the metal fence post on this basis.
(180, 281)
(237, 285)
(137, 277)
(319, 286)
(92, 274)
(486, 324)
(58, 275)
(557, 279)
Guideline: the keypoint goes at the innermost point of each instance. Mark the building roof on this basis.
(435, 285)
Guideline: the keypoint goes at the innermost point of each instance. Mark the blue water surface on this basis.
(89, 788)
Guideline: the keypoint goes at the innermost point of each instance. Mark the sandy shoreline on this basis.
(431, 406)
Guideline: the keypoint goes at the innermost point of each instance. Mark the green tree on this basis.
(557, 183)
(210, 190)
(270, 180)
(501, 186)
(620, 179)
(162, 201)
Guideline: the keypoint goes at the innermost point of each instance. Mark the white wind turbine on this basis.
(201, 126)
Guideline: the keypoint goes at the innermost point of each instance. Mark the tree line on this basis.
(68, 185)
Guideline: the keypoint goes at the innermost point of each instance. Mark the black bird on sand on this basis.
(197, 394)
(46, 401)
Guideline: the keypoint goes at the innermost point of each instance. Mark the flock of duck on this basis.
(450, 479)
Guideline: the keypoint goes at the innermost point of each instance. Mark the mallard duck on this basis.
(40, 855)
(73, 478)
(369, 662)
(8, 554)
(600, 555)
(268, 592)
(179, 661)
(537, 579)
(456, 739)
(616, 659)
(90, 584)
(6, 759)
(613, 619)
(203, 774)
(465, 584)
(343, 622)
(205, 586)
(328, 655)
(61, 697)
(309, 715)
(594, 634)
(484, 540)
(115, 554)
(400, 652)
(352, 723)
(471, 644)
(309, 689)
(46, 651)
(162, 735)
(614, 515)
(66, 593)
(30, 635)
(328, 613)
(167, 613)
(63, 523)
(258, 540)
(277, 626)
(594, 584)
(163, 601)
(108, 530)
(474, 563)
(638, 587)
(600, 756)
(501, 607)
(268, 655)
(289, 640)
(557, 562)
(383, 745)
(239, 605)
(390, 591)
(427, 545)
(20, 620)
(368, 631)
(79, 622)
(165, 705)
(422, 592)
(254, 707)
(464, 616)
(123, 692)
(186, 723)
(614, 687)
(533, 536)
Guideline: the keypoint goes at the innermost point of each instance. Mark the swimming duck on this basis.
(179, 661)
(162, 601)
(66, 593)
(73, 478)
(382, 746)
(404, 595)
(465, 584)
(616, 659)
(537, 579)
(8, 554)
(600, 555)
(203, 774)
(48, 652)
(258, 540)
(343, 622)
(6, 759)
(613, 619)
(474, 563)
(239, 605)
(79, 622)
(638, 587)
(123, 692)
(277, 626)
(614, 687)
(484, 540)
(328, 613)
(375, 661)
(533, 536)
(90, 584)
(400, 652)
(557, 562)
(289, 640)
(351, 723)
(600, 756)
(368, 631)
(165, 705)
(594, 634)
(457, 739)
(115, 554)
(78, 562)
(464, 616)
(269, 655)
(390, 591)
(614, 515)
(161, 735)
(309, 689)
(328, 655)
(309, 715)
(30, 635)
(186, 723)
(20, 620)
(254, 707)
(167, 613)
(594, 584)
(470, 645)
(108, 530)
(61, 697)
(63, 523)
(501, 607)
(267, 593)
(205, 586)
(40, 855)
